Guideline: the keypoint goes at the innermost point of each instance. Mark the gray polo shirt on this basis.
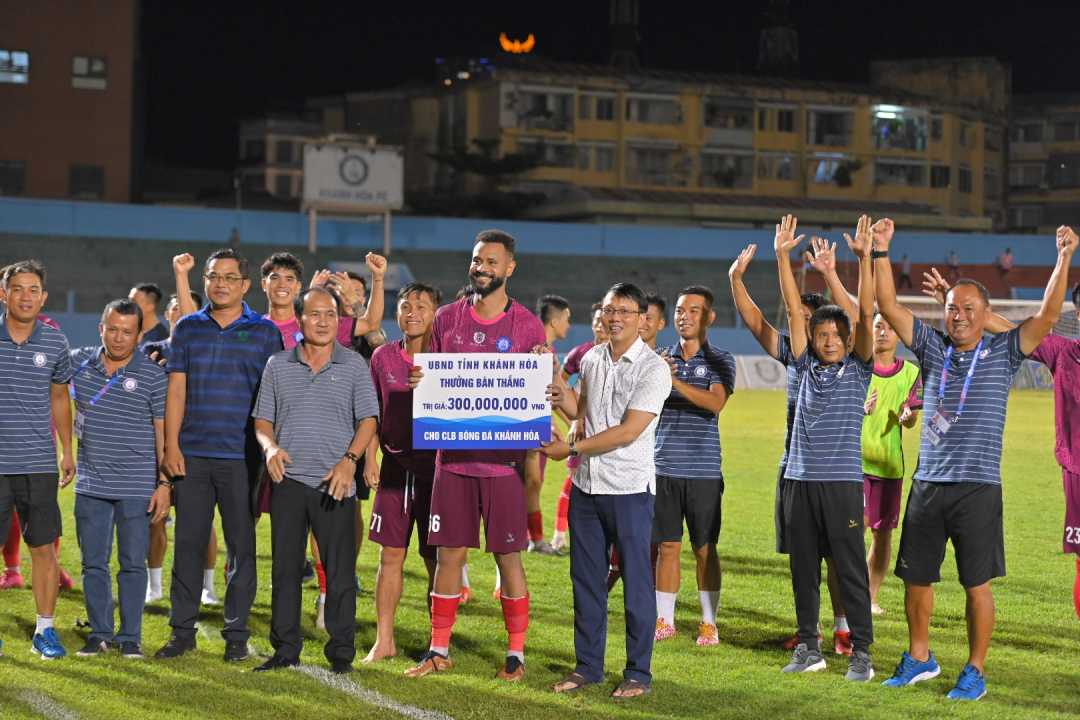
(315, 415)
(640, 380)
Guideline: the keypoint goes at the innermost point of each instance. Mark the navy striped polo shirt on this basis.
(787, 359)
(687, 437)
(315, 415)
(971, 449)
(117, 452)
(223, 368)
(27, 373)
(826, 436)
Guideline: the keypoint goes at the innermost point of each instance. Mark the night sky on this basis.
(210, 63)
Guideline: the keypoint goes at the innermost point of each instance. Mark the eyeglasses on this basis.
(621, 312)
(228, 279)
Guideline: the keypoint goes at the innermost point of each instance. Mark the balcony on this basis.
(555, 124)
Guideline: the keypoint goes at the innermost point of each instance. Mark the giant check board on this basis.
(490, 401)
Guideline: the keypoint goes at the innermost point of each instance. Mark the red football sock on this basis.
(322, 578)
(11, 547)
(1076, 588)
(516, 615)
(613, 560)
(443, 617)
(536, 526)
(562, 509)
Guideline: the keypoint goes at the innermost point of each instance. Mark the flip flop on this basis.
(629, 684)
(579, 681)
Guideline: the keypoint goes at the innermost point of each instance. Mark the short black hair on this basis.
(358, 278)
(549, 305)
(598, 305)
(699, 290)
(979, 287)
(498, 236)
(658, 300)
(1076, 296)
(283, 260)
(298, 301)
(123, 307)
(228, 254)
(420, 287)
(150, 289)
(466, 291)
(830, 313)
(627, 291)
(815, 301)
(21, 267)
(195, 298)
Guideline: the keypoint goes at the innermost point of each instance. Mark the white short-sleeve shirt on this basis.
(640, 380)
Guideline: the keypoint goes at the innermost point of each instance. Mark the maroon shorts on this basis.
(543, 468)
(401, 500)
(1071, 541)
(458, 502)
(883, 499)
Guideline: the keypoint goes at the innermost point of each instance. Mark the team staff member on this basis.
(35, 369)
(475, 485)
(623, 387)
(689, 480)
(217, 359)
(404, 480)
(120, 422)
(956, 490)
(315, 415)
(147, 295)
(655, 320)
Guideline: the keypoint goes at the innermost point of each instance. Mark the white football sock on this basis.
(665, 607)
(155, 578)
(710, 601)
(207, 582)
(840, 623)
(16, 569)
(43, 622)
(465, 575)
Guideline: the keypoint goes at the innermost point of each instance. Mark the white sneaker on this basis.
(209, 597)
(152, 594)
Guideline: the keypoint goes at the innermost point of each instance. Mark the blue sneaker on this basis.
(47, 644)
(971, 685)
(356, 581)
(911, 671)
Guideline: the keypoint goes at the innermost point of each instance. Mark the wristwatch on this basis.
(573, 450)
(165, 483)
(352, 457)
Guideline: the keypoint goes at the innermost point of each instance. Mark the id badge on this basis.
(80, 421)
(937, 427)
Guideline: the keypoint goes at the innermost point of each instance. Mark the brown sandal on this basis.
(577, 679)
(629, 684)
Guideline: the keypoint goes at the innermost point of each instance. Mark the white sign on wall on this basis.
(353, 177)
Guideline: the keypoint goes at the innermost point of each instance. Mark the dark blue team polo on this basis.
(687, 436)
(27, 374)
(117, 452)
(223, 368)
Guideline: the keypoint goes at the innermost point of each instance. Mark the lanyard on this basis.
(967, 380)
(100, 393)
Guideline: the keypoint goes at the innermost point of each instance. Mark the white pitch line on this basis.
(42, 704)
(371, 697)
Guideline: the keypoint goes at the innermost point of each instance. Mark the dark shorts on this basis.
(778, 512)
(403, 499)
(1071, 541)
(33, 495)
(883, 499)
(459, 502)
(698, 501)
(967, 513)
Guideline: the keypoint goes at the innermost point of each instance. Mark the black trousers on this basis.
(230, 486)
(825, 519)
(294, 508)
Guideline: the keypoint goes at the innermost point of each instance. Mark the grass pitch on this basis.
(1031, 668)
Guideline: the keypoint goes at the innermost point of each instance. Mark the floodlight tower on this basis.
(624, 20)
(778, 47)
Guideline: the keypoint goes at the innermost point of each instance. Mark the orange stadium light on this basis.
(517, 46)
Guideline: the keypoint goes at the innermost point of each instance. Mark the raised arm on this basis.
(182, 265)
(901, 319)
(763, 332)
(823, 259)
(371, 321)
(1035, 328)
(862, 246)
(937, 287)
(784, 243)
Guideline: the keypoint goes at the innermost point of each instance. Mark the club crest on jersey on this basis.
(700, 371)
(130, 384)
(243, 336)
(479, 338)
(39, 359)
(984, 353)
(298, 337)
(503, 344)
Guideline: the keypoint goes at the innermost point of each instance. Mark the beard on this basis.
(492, 286)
